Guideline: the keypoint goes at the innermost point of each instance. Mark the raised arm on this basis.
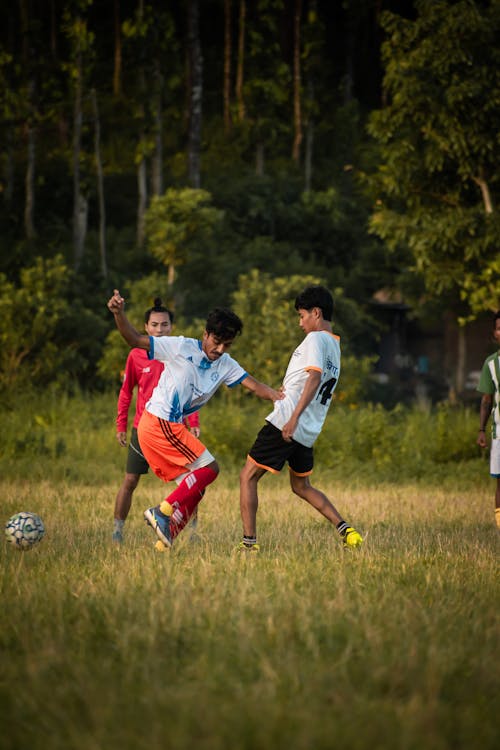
(261, 389)
(116, 305)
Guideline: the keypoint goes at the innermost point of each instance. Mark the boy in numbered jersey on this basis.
(489, 386)
(296, 421)
(193, 371)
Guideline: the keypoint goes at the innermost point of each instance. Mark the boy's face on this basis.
(496, 331)
(308, 319)
(213, 346)
(159, 324)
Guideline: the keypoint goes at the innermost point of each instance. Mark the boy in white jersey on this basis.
(193, 371)
(489, 386)
(297, 420)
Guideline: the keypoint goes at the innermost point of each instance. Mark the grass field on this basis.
(307, 647)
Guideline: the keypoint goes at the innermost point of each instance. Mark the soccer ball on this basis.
(24, 530)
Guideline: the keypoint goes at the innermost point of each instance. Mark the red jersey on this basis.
(144, 373)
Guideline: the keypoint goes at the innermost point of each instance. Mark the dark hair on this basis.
(224, 324)
(497, 317)
(316, 296)
(158, 307)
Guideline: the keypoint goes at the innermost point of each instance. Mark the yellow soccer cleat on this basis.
(248, 549)
(352, 538)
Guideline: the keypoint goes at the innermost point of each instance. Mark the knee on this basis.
(131, 481)
(215, 467)
(298, 485)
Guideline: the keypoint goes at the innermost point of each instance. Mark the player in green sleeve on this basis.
(489, 386)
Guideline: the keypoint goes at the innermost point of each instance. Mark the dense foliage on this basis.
(182, 149)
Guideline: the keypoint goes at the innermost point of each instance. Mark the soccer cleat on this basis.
(248, 549)
(352, 538)
(117, 537)
(160, 547)
(160, 524)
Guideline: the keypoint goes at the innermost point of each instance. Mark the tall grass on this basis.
(393, 647)
(306, 647)
(73, 439)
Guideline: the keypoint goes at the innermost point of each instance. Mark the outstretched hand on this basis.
(116, 303)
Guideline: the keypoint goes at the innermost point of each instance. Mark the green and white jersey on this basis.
(489, 382)
(320, 350)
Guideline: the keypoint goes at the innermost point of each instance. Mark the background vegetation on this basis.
(181, 148)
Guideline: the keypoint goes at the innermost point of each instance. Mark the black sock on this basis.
(249, 541)
(342, 527)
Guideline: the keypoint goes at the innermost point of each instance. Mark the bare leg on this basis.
(124, 497)
(249, 499)
(303, 488)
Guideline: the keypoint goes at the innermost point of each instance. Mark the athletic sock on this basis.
(342, 527)
(186, 497)
(249, 541)
(118, 524)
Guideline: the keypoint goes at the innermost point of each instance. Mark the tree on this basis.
(30, 314)
(195, 93)
(437, 185)
(81, 39)
(176, 222)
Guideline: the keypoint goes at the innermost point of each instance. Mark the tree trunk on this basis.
(195, 104)
(29, 180)
(241, 61)
(9, 165)
(142, 183)
(461, 359)
(142, 202)
(227, 65)
(29, 204)
(308, 157)
(485, 192)
(117, 69)
(100, 187)
(157, 161)
(259, 159)
(297, 112)
(80, 204)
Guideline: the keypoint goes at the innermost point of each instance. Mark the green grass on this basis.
(307, 647)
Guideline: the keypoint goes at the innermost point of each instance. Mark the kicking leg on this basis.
(303, 488)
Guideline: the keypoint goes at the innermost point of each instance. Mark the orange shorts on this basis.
(168, 447)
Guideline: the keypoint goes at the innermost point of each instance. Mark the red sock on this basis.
(187, 496)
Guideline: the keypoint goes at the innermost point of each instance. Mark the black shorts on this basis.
(136, 463)
(271, 452)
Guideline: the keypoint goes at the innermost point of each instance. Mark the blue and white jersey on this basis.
(189, 379)
(320, 350)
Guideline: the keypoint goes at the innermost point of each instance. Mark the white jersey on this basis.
(189, 379)
(320, 350)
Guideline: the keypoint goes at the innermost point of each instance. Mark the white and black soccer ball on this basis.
(24, 530)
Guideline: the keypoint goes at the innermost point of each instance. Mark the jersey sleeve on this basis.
(234, 373)
(486, 383)
(163, 347)
(193, 420)
(313, 353)
(125, 395)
